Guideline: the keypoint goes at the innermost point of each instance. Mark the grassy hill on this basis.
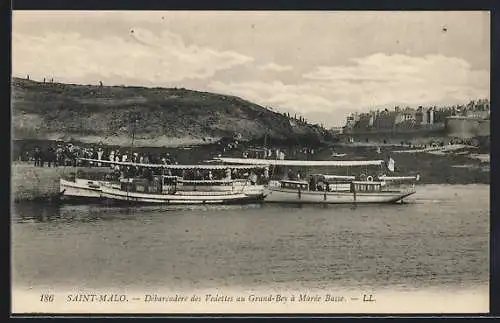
(164, 117)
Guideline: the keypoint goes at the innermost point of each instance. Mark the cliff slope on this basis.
(163, 116)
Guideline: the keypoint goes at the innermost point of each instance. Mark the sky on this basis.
(322, 65)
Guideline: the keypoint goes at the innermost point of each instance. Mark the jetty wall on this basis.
(30, 183)
(395, 136)
(35, 183)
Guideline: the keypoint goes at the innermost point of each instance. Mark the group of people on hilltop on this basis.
(73, 155)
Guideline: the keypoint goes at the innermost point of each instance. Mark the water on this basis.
(438, 240)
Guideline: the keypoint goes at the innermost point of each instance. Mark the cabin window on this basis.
(168, 181)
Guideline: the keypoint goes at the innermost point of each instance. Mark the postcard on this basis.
(250, 162)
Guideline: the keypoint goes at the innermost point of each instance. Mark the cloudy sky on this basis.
(322, 65)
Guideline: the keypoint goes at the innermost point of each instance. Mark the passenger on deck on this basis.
(312, 183)
(100, 152)
(253, 178)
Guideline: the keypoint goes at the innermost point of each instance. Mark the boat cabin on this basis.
(322, 182)
(157, 185)
(141, 185)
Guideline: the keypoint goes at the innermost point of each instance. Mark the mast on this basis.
(134, 121)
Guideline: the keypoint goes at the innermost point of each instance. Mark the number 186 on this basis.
(47, 298)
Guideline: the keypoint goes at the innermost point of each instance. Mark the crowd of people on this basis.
(73, 155)
(68, 154)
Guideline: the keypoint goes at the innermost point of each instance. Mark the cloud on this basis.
(300, 99)
(142, 56)
(275, 67)
(381, 79)
(322, 93)
(328, 93)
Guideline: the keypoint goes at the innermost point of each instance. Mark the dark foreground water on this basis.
(439, 239)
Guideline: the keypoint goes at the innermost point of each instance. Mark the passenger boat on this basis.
(80, 188)
(360, 192)
(166, 190)
(84, 186)
(225, 190)
(333, 189)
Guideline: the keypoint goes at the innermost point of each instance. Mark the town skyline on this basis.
(421, 117)
(282, 60)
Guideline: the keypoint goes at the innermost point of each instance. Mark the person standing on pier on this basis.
(50, 156)
(37, 156)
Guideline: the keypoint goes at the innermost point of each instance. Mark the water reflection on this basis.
(443, 243)
(48, 212)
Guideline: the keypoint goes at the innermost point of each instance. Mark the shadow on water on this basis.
(343, 206)
(60, 212)
(94, 212)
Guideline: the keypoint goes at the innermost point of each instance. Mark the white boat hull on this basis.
(192, 197)
(88, 189)
(80, 188)
(277, 195)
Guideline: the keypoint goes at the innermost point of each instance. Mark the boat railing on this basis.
(206, 181)
(90, 175)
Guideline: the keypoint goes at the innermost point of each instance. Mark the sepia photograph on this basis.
(250, 162)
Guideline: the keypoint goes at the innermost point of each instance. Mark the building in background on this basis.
(411, 118)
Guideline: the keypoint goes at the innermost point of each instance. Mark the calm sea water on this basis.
(439, 239)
